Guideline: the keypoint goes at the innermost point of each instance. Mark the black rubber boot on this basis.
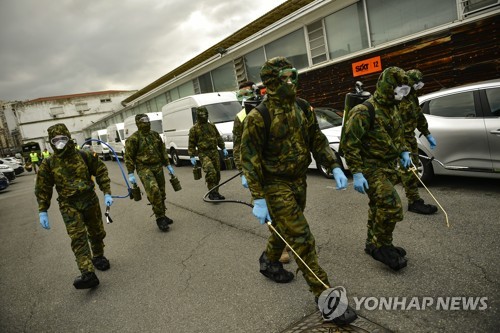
(389, 256)
(213, 196)
(86, 281)
(419, 207)
(274, 270)
(169, 220)
(101, 263)
(162, 223)
(370, 247)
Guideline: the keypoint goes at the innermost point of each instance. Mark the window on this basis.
(253, 62)
(205, 82)
(470, 7)
(458, 105)
(224, 78)
(316, 42)
(494, 100)
(56, 110)
(160, 101)
(186, 89)
(346, 31)
(105, 100)
(82, 107)
(392, 19)
(291, 46)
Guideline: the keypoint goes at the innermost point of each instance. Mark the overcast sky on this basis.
(60, 47)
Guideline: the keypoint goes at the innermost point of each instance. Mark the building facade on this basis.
(334, 43)
(76, 111)
(10, 138)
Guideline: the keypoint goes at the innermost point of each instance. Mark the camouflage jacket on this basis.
(143, 149)
(413, 117)
(365, 149)
(71, 175)
(286, 153)
(237, 131)
(205, 137)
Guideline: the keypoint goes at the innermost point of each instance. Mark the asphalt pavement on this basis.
(202, 275)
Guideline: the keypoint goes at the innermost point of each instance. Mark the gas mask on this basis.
(202, 115)
(418, 85)
(60, 141)
(401, 91)
(143, 124)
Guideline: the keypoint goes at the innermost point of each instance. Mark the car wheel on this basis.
(324, 171)
(424, 168)
(175, 157)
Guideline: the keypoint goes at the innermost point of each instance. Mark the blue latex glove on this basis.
(108, 200)
(44, 220)
(405, 159)
(340, 178)
(260, 211)
(244, 181)
(193, 161)
(131, 178)
(360, 183)
(432, 141)
(225, 152)
(170, 169)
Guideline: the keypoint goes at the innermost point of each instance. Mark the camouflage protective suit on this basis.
(204, 138)
(70, 171)
(276, 167)
(375, 153)
(413, 118)
(146, 154)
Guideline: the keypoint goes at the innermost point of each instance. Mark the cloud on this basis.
(54, 48)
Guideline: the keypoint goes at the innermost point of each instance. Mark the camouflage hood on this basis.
(142, 126)
(275, 87)
(388, 80)
(60, 129)
(201, 115)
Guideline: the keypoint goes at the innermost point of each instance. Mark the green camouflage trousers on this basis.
(286, 201)
(210, 163)
(409, 180)
(385, 207)
(83, 219)
(153, 180)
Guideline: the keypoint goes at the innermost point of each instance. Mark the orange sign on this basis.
(367, 66)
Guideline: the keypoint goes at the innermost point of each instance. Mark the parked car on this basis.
(4, 182)
(8, 172)
(14, 159)
(17, 167)
(330, 123)
(465, 121)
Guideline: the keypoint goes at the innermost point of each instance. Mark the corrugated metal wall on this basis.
(457, 56)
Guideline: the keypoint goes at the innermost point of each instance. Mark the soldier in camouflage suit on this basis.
(70, 171)
(146, 154)
(204, 138)
(372, 155)
(413, 118)
(275, 165)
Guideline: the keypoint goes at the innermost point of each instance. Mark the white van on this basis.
(100, 149)
(180, 115)
(116, 138)
(155, 119)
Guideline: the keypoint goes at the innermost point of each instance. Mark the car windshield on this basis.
(327, 118)
(223, 112)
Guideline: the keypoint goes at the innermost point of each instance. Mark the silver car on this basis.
(465, 121)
